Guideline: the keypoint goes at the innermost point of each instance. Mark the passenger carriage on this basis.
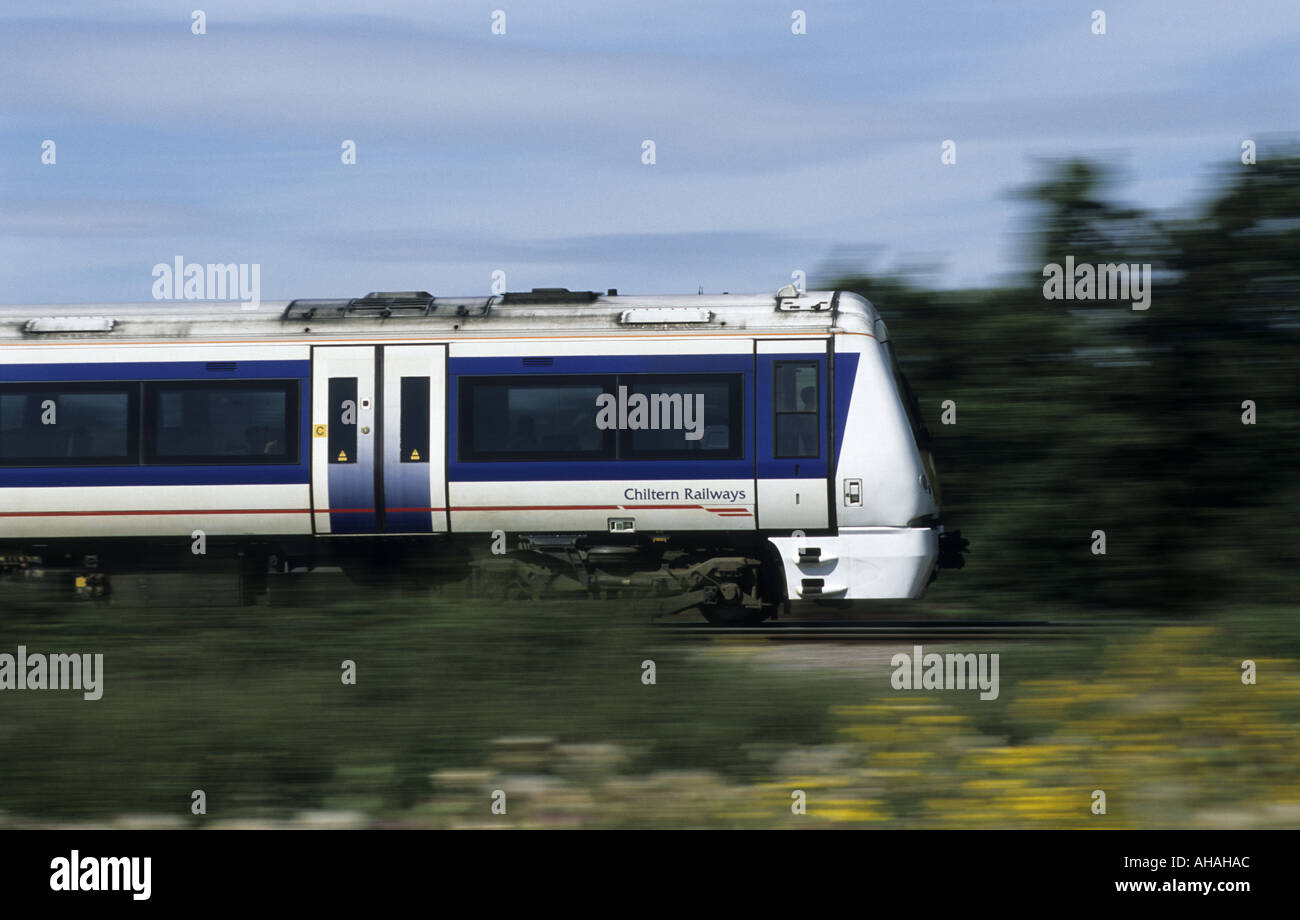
(726, 452)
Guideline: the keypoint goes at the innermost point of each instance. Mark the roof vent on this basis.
(400, 296)
(665, 315)
(386, 305)
(549, 295)
(70, 324)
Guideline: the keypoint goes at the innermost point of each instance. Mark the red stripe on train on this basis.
(169, 511)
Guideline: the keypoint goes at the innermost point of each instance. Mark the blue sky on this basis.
(522, 152)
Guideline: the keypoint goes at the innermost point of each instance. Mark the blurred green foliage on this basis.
(248, 704)
(1075, 416)
(454, 700)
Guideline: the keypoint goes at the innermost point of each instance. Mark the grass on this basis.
(247, 704)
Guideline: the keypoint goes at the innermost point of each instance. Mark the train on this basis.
(732, 454)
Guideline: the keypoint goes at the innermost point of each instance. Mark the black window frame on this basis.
(414, 422)
(464, 416)
(777, 412)
(291, 456)
(130, 388)
(617, 442)
(341, 437)
(735, 419)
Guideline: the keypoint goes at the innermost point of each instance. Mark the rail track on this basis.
(52, 593)
(881, 630)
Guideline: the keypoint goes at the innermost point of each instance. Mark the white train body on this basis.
(430, 418)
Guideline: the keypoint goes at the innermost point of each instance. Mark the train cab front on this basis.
(951, 544)
(887, 540)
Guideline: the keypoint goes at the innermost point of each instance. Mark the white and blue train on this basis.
(727, 452)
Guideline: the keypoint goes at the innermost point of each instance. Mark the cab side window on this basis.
(796, 408)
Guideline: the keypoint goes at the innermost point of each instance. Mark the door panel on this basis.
(343, 439)
(378, 452)
(414, 472)
(791, 430)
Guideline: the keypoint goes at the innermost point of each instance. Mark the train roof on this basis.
(542, 311)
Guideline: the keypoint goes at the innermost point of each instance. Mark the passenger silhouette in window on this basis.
(807, 424)
(801, 426)
(797, 416)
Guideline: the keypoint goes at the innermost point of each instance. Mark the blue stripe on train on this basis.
(352, 497)
(604, 364)
(73, 476)
(406, 485)
(15, 477)
(598, 470)
(846, 371)
(153, 370)
(846, 365)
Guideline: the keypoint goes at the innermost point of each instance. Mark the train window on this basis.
(796, 410)
(415, 420)
(68, 424)
(682, 417)
(226, 421)
(532, 418)
(912, 406)
(342, 419)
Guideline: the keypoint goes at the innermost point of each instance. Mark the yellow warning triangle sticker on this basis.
(415, 455)
(343, 456)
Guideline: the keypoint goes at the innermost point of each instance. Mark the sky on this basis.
(523, 152)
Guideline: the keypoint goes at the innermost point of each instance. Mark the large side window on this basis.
(532, 418)
(68, 424)
(796, 406)
(226, 421)
(601, 417)
(682, 417)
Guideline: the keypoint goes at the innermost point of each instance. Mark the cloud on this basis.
(473, 151)
(59, 218)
